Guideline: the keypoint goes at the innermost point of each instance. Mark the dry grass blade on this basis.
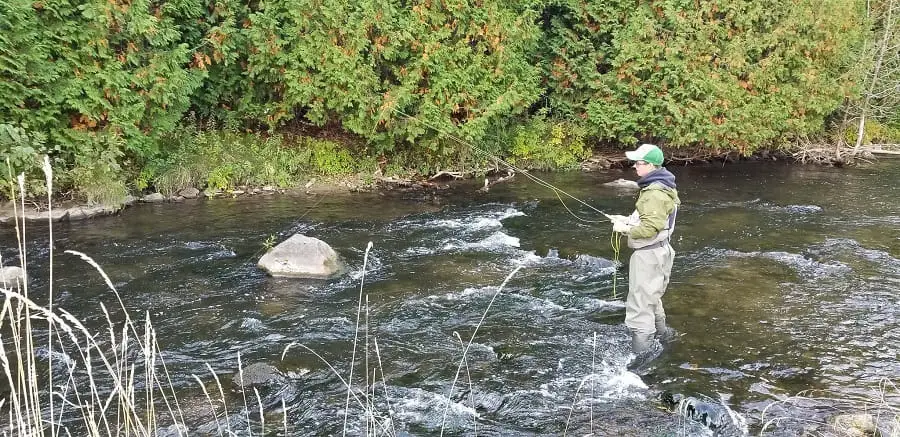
(462, 345)
(356, 336)
(469, 344)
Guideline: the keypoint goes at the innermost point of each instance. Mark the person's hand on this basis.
(615, 218)
(621, 227)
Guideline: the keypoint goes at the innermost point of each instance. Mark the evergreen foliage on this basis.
(103, 85)
(735, 75)
(102, 80)
(369, 64)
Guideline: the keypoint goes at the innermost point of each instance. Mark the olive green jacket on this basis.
(655, 203)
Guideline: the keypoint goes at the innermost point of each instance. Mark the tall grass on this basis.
(66, 380)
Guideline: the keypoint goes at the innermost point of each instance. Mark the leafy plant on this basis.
(329, 158)
(20, 153)
(269, 243)
(733, 74)
(547, 145)
(98, 175)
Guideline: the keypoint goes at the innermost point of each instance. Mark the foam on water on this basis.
(465, 294)
(798, 262)
(425, 408)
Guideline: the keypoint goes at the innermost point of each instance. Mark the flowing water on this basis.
(787, 278)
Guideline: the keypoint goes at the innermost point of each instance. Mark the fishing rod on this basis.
(556, 190)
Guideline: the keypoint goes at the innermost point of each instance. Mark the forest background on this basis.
(157, 95)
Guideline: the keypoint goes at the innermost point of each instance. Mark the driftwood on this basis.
(395, 181)
(464, 174)
(453, 174)
(883, 149)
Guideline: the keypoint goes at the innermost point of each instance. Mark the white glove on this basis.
(621, 227)
(618, 218)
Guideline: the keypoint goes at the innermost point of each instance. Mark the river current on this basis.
(786, 279)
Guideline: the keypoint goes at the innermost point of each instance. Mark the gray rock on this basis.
(32, 215)
(622, 183)
(715, 415)
(86, 212)
(10, 276)
(854, 424)
(302, 257)
(189, 193)
(153, 198)
(257, 375)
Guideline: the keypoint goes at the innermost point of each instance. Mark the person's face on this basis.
(643, 167)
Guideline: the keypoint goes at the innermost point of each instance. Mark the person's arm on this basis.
(652, 208)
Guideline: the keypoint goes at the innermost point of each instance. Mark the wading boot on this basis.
(645, 348)
(666, 334)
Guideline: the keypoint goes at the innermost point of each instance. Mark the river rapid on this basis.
(786, 279)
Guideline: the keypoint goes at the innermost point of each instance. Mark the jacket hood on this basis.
(660, 175)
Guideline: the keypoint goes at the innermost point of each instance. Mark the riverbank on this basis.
(421, 189)
(428, 189)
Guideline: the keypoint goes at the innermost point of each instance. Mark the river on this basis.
(786, 279)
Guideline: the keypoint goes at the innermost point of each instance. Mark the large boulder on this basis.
(302, 257)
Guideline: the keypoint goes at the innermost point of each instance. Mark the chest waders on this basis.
(649, 270)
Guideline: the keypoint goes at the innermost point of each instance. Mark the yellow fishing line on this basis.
(616, 244)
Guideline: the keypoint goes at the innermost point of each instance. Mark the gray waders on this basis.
(648, 276)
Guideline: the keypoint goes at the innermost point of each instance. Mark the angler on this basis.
(649, 229)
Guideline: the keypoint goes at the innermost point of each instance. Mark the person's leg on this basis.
(666, 257)
(644, 289)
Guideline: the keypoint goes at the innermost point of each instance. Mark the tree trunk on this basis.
(882, 46)
(860, 132)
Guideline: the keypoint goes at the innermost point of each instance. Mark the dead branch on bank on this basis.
(453, 174)
(816, 152)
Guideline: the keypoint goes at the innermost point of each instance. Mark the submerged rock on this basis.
(593, 263)
(11, 276)
(715, 415)
(855, 425)
(302, 257)
(257, 375)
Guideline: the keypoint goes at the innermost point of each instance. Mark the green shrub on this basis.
(97, 174)
(329, 158)
(225, 159)
(20, 153)
(873, 133)
(548, 145)
(730, 74)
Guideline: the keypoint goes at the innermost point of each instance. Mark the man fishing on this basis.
(648, 230)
